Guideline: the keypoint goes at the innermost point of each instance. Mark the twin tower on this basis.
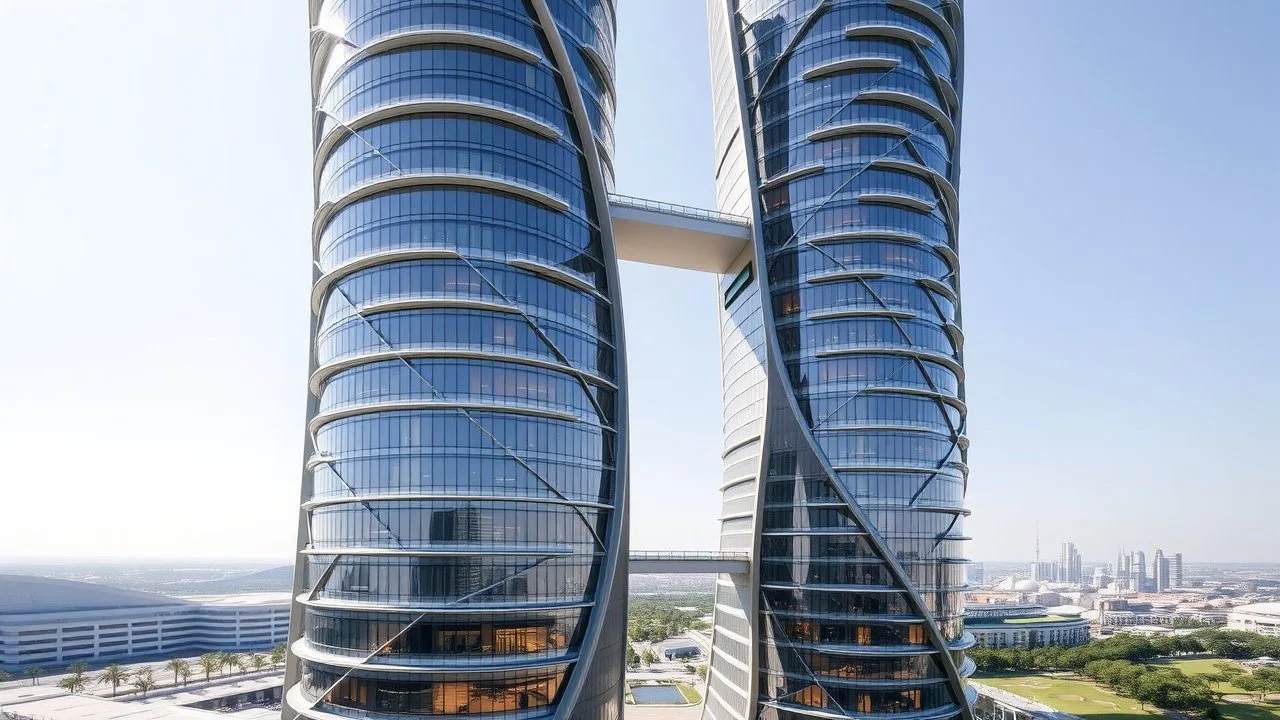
(463, 531)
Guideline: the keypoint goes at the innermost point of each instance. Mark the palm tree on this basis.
(144, 682)
(210, 663)
(278, 654)
(5, 677)
(258, 662)
(185, 672)
(230, 661)
(113, 675)
(78, 668)
(176, 666)
(241, 663)
(73, 683)
(34, 673)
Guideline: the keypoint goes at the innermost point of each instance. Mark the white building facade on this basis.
(48, 623)
(1261, 618)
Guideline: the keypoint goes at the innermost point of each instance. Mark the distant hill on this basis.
(277, 579)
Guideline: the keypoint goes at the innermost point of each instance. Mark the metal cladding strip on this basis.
(304, 651)
(754, 183)
(615, 559)
(774, 353)
(324, 372)
(422, 107)
(320, 48)
(347, 499)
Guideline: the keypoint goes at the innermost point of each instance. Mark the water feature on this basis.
(657, 695)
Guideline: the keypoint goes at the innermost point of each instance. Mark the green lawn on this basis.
(1250, 711)
(1201, 666)
(1239, 705)
(1082, 697)
(1078, 697)
(691, 695)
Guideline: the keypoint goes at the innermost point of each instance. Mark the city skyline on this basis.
(137, 435)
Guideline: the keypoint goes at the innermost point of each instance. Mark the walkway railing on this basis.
(688, 555)
(682, 210)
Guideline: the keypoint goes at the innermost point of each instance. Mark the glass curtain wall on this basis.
(463, 502)
(852, 114)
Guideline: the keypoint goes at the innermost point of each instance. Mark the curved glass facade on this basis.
(838, 129)
(463, 532)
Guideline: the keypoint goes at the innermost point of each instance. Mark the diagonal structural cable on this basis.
(410, 625)
(361, 138)
(864, 388)
(466, 413)
(369, 508)
(566, 364)
(781, 631)
(861, 169)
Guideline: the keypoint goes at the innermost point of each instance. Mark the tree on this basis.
(113, 675)
(278, 656)
(34, 674)
(186, 674)
(239, 662)
(648, 657)
(210, 663)
(177, 666)
(258, 662)
(73, 683)
(78, 668)
(633, 657)
(230, 661)
(702, 673)
(1228, 669)
(144, 682)
(5, 677)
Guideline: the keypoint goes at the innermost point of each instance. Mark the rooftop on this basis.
(1265, 608)
(34, 595)
(1021, 620)
(240, 599)
(29, 594)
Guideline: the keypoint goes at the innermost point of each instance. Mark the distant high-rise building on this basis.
(977, 574)
(1138, 571)
(1123, 571)
(1160, 571)
(1101, 577)
(1069, 564)
(1175, 570)
(1044, 571)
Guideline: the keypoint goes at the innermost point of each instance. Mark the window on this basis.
(738, 286)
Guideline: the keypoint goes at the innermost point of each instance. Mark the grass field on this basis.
(1201, 666)
(1082, 697)
(691, 694)
(1069, 695)
(1239, 705)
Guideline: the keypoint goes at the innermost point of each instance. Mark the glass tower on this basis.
(837, 132)
(462, 534)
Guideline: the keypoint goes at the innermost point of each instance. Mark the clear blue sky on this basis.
(1118, 260)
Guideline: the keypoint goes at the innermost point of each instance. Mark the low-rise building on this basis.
(1261, 618)
(49, 622)
(678, 649)
(1025, 625)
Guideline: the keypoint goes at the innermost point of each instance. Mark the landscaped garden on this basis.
(1071, 695)
(1131, 678)
(661, 692)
